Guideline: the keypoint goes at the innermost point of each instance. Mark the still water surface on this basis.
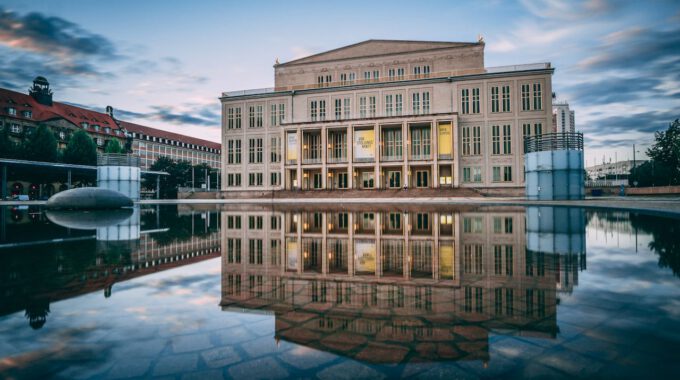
(355, 292)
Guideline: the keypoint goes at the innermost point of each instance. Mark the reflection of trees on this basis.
(666, 241)
(36, 312)
(180, 227)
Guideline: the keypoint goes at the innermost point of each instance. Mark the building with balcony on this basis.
(564, 119)
(386, 114)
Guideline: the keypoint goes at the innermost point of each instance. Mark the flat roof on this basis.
(10, 161)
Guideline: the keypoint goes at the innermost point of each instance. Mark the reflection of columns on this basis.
(324, 154)
(404, 154)
(378, 244)
(158, 186)
(350, 246)
(324, 243)
(435, 250)
(406, 253)
(454, 152)
(68, 179)
(301, 248)
(456, 247)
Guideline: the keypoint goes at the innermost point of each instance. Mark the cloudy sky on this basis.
(164, 63)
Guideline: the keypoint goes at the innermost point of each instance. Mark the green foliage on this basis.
(113, 146)
(80, 149)
(41, 145)
(179, 176)
(651, 173)
(666, 151)
(7, 147)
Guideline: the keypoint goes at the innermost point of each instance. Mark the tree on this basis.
(650, 173)
(41, 145)
(80, 149)
(113, 147)
(179, 176)
(666, 151)
(7, 146)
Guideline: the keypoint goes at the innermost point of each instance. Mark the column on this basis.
(350, 246)
(324, 155)
(455, 155)
(68, 180)
(435, 248)
(324, 244)
(350, 157)
(434, 137)
(407, 252)
(378, 178)
(405, 154)
(298, 172)
(158, 186)
(378, 244)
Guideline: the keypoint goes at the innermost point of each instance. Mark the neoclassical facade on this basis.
(386, 114)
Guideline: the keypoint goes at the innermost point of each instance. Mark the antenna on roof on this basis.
(480, 38)
(277, 60)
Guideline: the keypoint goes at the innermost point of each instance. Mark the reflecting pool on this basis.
(339, 292)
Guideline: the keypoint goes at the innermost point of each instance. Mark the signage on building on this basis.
(445, 140)
(292, 147)
(364, 145)
(364, 256)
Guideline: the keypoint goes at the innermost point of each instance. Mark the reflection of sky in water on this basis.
(621, 319)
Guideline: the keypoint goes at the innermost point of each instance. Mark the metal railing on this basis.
(553, 141)
(334, 160)
(117, 159)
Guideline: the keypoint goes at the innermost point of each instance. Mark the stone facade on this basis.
(386, 114)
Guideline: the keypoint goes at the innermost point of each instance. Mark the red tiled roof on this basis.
(136, 128)
(40, 112)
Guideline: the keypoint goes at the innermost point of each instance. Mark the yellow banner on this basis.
(364, 144)
(446, 262)
(445, 140)
(291, 147)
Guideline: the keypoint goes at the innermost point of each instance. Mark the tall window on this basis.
(538, 97)
(234, 152)
(507, 139)
(363, 106)
(526, 103)
(475, 100)
(392, 143)
(494, 99)
(476, 140)
(314, 110)
(415, 103)
(466, 141)
(420, 142)
(230, 118)
(259, 116)
(255, 151)
(465, 101)
(372, 106)
(495, 139)
(251, 117)
(275, 179)
(398, 104)
(426, 102)
(338, 108)
(506, 98)
(282, 113)
(273, 116)
(275, 149)
(389, 105)
(346, 107)
(322, 110)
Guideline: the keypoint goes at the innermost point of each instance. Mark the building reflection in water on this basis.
(400, 285)
(95, 250)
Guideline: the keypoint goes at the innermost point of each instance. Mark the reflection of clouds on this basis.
(205, 300)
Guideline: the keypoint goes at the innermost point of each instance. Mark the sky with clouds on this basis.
(164, 64)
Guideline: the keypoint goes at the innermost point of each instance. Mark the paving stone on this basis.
(204, 375)
(570, 362)
(263, 346)
(261, 328)
(129, 368)
(263, 368)
(220, 357)
(188, 343)
(233, 335)
(140, 349)
(539, 371)
(596, 348)
(446, 371)
(349, 370)
(515, 348)
(176, 364)
(343, 341)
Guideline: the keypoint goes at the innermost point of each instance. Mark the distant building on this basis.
(563, 118)
(150, 144)
(613, 171)
(22, 114)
